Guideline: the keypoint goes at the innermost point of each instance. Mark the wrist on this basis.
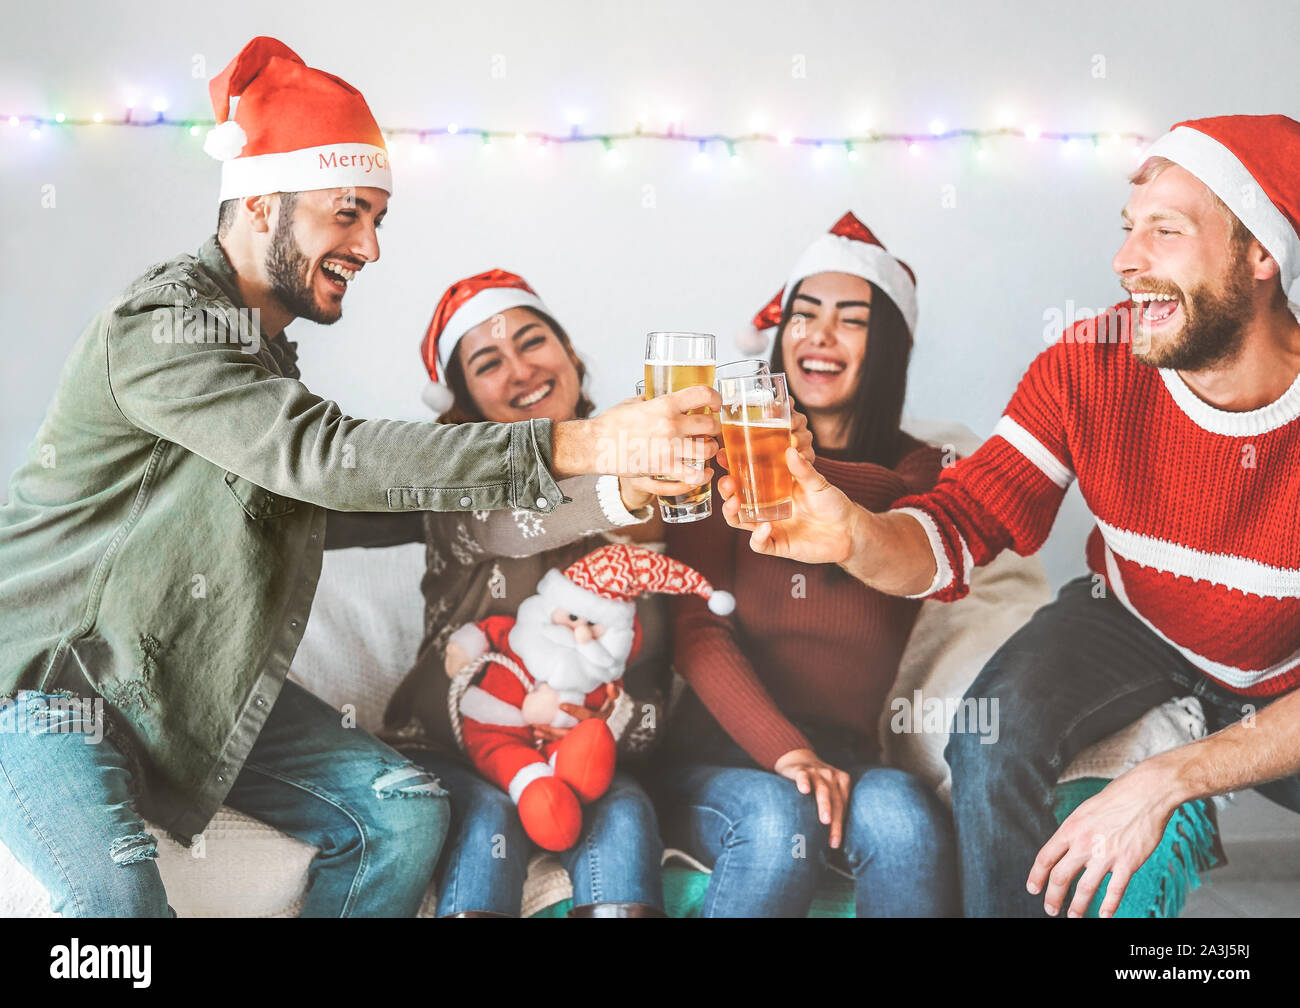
(1168, 778)
(634, 500)
(572, 443)
(859, 540)
(794, 756)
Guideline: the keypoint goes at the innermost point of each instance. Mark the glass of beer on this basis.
(756, 433)
(674, 361)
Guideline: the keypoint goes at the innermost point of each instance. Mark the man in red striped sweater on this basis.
(1178, 411)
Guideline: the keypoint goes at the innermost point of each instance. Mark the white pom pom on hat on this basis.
(751, 341)
(225, 140)
(722, 603)
(437, 397)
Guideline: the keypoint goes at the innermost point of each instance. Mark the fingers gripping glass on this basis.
(756, 433)
(674, 361)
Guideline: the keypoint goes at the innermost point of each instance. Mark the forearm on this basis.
(1259, 748)
(890, 552)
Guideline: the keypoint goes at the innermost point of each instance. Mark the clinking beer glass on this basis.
(674, 361)
(756, 433)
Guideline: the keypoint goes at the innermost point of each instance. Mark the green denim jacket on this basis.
(162, 541)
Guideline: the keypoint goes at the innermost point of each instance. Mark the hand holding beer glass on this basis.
(756, 433)
(675, 361)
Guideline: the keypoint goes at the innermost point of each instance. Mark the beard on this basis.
(290, 272)
(1213, 327)
(551, 655)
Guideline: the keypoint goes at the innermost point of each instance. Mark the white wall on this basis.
(1031, 228)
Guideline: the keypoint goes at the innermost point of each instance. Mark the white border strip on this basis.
(306, 170)
(1033, 449)
(1249, 423)
(482, 306)
(479, 705)
(1230, 674)
(943, 574)
(1236, 572)
(611, 503)
(837, 254)
(526, 775)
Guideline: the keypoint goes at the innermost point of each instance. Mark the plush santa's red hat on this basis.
(851, 248)
(1249, 162)
(283, 126)
(465, 304)
(604, 585)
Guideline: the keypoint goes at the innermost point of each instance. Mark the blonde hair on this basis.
(1150, 169)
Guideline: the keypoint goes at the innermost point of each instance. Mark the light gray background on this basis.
(1032, 228)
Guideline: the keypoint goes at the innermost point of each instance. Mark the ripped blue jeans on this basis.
(67, 809)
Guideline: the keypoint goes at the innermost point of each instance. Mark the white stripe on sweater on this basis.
(943, 574)
(1237, 572)
(1230, 674)
(1033, 449)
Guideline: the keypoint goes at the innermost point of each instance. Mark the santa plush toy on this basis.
(568, 644)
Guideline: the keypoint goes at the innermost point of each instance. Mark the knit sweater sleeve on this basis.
(1008, 492)
(593, 505)
(708, 656)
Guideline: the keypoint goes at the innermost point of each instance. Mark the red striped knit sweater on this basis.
(1195, 506)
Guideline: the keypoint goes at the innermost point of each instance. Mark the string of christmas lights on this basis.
(822, 146)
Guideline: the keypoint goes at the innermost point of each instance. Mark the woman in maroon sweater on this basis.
(771, 768)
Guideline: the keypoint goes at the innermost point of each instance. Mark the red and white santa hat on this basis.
(849, 247)
(465, 304)
(604, 585)
(283, 126)
(1249, 162)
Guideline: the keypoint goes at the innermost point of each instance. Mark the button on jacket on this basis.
(162, 540)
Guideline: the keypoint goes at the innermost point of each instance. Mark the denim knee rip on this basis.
(131, 849)
(406, 781)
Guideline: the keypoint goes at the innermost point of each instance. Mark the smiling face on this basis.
(517, 368)
(1186, 270)
(322, 239)
(825, 341)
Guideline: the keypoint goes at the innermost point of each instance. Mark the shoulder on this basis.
(183, 281)
(1100, 343)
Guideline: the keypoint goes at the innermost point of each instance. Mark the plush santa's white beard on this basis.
(551, 655)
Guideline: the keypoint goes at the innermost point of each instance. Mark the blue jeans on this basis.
(1079, 670)
(769, 851)
(68, 815)
(616, 858)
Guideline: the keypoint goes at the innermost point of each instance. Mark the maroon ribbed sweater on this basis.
(806, 643)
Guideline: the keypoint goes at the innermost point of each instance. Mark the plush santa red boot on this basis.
(550, 813)
(584, 759)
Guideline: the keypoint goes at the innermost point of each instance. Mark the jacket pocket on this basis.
(256, 501)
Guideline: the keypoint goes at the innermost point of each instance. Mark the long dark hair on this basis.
(465, 410)
(877, 403)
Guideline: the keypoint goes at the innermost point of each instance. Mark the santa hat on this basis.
(1248, 161)
(465, 304)
(283, 126)
(604, 585)
(851, 248)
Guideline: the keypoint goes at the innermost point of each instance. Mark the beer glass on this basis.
(674, 361)
(741, 368)
(756, 433)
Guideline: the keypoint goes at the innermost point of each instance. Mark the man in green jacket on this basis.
(161, 544)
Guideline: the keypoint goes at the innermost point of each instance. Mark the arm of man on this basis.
(1115, 830)
(228, 407)
(1006, 494)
